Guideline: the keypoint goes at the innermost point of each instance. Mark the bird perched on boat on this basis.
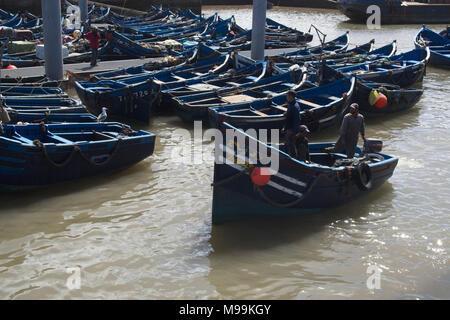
(102, 116)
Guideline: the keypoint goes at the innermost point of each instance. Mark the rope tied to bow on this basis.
(75, 149)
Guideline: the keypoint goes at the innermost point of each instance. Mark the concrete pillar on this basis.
(83, 4)
(259, 29)
(51, 13)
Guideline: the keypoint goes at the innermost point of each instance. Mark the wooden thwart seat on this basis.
(281, 108)
(238, 98)
(179, 78)
(309, 103)
(259, 113)
(203, 86)
(327, 96)
(234, 84)
(103, 135)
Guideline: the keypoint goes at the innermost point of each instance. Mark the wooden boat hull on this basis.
(139, 97)
(26, 80)
(46, 117)
(402, 75)
(192, 107)
(398, 99)
(25, 165)
(134, 102)
(439, 47)
(28, 90)
(297, 188)
(322, 116)
(445, 33)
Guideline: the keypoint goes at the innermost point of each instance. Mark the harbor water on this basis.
(146, 233)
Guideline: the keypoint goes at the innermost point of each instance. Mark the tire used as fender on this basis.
(360, 170)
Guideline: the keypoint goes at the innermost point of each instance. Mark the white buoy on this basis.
(51, 13)
(259, 29)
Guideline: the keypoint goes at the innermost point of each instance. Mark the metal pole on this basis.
(83, 4)
(51, 13)
(259, 29)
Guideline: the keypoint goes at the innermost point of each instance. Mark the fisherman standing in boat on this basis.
(292, 123)
(302, 145)
(94, 37)
(352, 125)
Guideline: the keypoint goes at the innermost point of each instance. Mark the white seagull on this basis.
(102, 116)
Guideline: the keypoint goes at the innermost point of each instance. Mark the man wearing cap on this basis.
(302, 144)
(352, 125)
(292, 122)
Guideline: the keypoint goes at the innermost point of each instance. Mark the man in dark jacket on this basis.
(352, 126)
(292, 122)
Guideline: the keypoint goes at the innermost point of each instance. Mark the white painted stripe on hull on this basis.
(272, 172)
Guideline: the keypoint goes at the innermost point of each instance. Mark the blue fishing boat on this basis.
(14, 22)
(120, 44)
(439, 47)
(244, 72)
(356, 55)
(5, 15)
(157, 15)
(99, 16)
(152, 14)
(39, 81)
(334, 46)
(445, 33)
(52, 109)
(20, 62)
(278, 31)
(397, 11)
(347, 58)
(174, 62)
(43, 101)
(30, 91)
(37, 155)
(173, 24)
(49, 117)
(321, 107)
(291, 187)
(32, 24)
(12, 82)
(140, 96)
(403, 70)
(176, 30)
(398, 99)
(227, 36)
(42, 105)
(193, 107)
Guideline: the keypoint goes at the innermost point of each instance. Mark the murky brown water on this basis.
(146, 233)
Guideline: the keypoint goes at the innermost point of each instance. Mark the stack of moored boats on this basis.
(47, 137)
(204, 78)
